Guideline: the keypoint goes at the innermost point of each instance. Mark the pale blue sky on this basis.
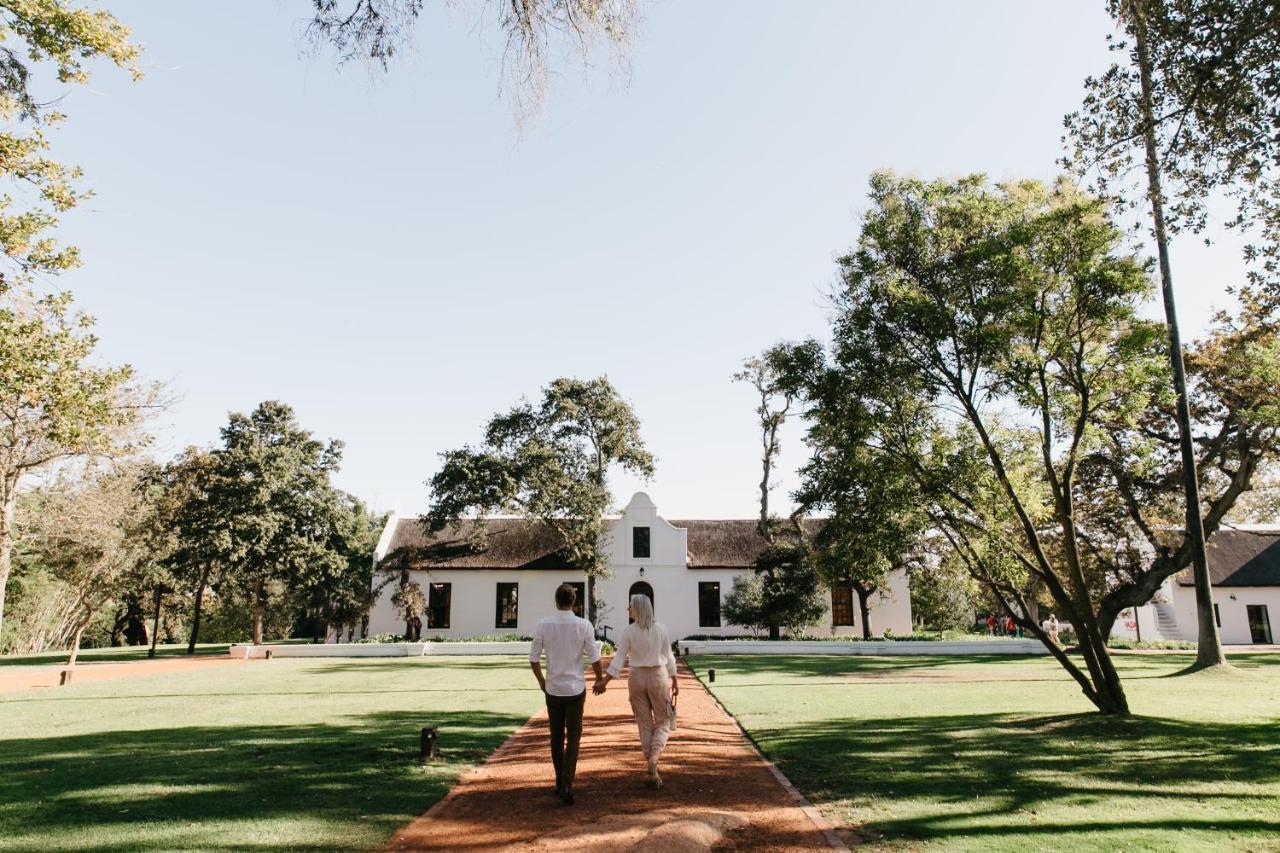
(386, 255)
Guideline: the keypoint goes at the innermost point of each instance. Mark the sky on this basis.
(388, 255)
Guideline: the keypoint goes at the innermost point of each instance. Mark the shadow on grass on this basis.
(356, 780)
(991, 774)
(120, 654)
(424, 664)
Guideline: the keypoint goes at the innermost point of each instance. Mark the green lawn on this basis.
(998, 753)
(280, 755)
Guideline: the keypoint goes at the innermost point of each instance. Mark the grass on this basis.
(280, 755)
(993, 753)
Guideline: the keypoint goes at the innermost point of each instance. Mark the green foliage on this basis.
(548, 463)
(36, 35)
(783, 593)
(989, 333)
(56, 403)
(1215, 94)
(943, 593)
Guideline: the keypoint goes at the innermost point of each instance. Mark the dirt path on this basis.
(719, 793)
(16, 678)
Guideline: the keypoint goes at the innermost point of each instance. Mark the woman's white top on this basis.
(646, 647)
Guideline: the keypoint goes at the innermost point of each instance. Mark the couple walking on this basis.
(566, 639)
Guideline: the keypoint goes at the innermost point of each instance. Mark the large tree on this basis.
(339, 593)
(193, 519)
(274, 496)
(56, 401)
(994, 333)
(548, 463)
(874, 523)
(87, 527)
(1196, 104)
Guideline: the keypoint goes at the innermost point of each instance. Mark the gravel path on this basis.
(720, 794)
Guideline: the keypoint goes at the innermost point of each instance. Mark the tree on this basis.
(944, 595)
(192, 515)
(763, 374)
(45, 40)
(875, 522)
(55, 402)
(87, 529)
(782, 592)
(993, 332)
(412, 603)
(1198, 98)
(340, 593)
(376, 31)
(274, 497)
(550, 464)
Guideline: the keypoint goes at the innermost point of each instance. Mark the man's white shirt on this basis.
(566, 639)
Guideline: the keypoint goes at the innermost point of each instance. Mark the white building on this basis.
(1244, 569)
(505, 587)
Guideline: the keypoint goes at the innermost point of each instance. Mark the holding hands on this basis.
(601, 684)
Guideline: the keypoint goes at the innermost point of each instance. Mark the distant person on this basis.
(566, 639)
(1009, 625)
(991, 624)
(1053, 628)
(651, 683)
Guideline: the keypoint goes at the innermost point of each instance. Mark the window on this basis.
(841, 604)
(580, 600)
(708, 604)
(507, 606)
(639, 542)
(438, 598)
(1217, 617)
(1259, 623)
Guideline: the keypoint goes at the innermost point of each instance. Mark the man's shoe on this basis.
(566, 796)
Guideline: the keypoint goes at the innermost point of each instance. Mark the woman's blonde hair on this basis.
(642, 607)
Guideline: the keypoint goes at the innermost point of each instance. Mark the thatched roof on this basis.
(514, 543)
(1241, 558)
(731, 543)
(507, 543)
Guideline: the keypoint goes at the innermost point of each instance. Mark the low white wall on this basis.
(886, 647)
(329, 650)
(381, 650)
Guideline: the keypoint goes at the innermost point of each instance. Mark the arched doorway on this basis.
(639, 588)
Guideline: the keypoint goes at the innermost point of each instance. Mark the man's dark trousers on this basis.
(565, 716)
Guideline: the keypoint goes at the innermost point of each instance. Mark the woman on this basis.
(652, 681)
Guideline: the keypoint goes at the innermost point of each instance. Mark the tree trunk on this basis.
(257, 614)
(1209, 648)
(117, 626)
(195, 616)
(8, 506)
(75, 643)
(864, 610)
(1137, 624)
(591, 600)
(775, 633)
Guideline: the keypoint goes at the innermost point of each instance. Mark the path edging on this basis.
(811, 811)
(450, 795)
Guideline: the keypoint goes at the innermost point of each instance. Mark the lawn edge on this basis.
(391, 843)
(811, 811)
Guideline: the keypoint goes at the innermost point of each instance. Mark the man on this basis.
(566, 639)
